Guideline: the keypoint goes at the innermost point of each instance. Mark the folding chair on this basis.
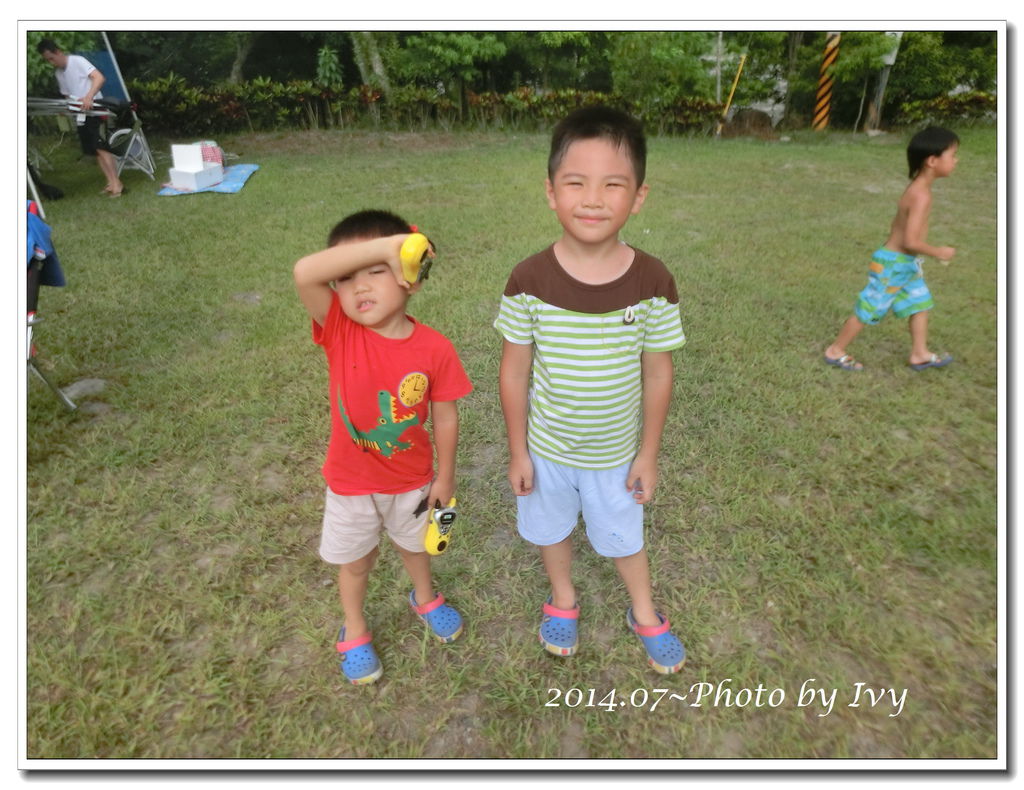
(129, 143)
(43, 269)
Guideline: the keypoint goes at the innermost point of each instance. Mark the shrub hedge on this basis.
(956, 109)
(172, 106)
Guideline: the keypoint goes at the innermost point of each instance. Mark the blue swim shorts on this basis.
(895, 282)
(548, 514)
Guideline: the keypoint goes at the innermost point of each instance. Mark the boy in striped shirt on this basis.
(589, 325)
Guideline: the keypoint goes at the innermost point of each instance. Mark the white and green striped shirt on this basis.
(586, 392)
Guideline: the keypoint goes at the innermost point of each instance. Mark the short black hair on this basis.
(368, 224)
(607, 123)
(48, 45)
(928, 142)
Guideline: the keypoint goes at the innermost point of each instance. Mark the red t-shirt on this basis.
(380, 389)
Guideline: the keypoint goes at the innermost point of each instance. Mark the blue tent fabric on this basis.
(235, 177)
(39, 237)
(112, 87)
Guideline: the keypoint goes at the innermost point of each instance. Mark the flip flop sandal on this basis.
(441, 618)
(846, 362)
(359, 662)
(664, 651)
(558, 631)
(935, 362)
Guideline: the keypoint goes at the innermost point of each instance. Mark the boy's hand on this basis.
(642, 479)
(945, 255)
(520, 475)
(394, 259)
(440, 491)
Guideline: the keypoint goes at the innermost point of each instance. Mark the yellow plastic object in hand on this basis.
(439, 530)
(414, 254)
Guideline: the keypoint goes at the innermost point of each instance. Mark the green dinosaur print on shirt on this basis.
(384, 437)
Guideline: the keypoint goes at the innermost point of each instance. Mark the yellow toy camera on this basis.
(415, 256)
(439, 530)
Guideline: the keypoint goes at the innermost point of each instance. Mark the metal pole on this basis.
(728, 103)
(823, 101)
(117, 68)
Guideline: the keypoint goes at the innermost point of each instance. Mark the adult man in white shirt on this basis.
(78, 79)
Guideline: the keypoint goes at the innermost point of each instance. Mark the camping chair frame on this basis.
(131, 149)
(31, 352)
(33, 318)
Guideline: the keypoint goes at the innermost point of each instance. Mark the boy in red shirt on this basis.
(387, 374)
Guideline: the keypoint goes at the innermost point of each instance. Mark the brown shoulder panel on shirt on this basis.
(542, 277)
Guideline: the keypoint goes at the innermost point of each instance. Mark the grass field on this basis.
(811, 526)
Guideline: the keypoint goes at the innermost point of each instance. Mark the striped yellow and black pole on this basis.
(823, 102)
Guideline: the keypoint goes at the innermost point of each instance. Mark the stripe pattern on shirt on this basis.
(586, 389)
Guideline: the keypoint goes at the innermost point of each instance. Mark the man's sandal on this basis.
(359, 662)
(558, 629)
(664, 651)
(442, 619)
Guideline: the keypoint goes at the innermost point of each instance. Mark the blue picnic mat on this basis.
(235, 177)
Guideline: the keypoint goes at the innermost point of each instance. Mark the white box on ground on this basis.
(197, 179)
(190, 171)
(187, 157)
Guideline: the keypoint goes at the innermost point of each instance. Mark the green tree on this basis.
(655, 69)
(243, 42)
(202, 57)
(450, 62)
(772, 67)
(328, 68)
(858, 63)
(367, 52)
(552, 60)
(934, 63)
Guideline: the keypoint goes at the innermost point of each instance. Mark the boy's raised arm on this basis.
(314, 273)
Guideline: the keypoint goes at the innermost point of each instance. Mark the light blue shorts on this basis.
(549, 513)
(895, 282)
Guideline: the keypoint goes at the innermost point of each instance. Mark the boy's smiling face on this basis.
(594, 190)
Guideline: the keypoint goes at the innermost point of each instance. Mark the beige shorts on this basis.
(353, 524)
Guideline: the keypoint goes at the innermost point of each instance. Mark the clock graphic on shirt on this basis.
(413, 389)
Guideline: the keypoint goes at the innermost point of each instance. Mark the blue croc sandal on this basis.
(558, 629)
(664, 652)
(442, 619)
(359, 662)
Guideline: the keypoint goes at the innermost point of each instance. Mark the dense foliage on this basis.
(676, 81)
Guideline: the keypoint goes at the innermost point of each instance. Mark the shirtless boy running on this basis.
(895, 277)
